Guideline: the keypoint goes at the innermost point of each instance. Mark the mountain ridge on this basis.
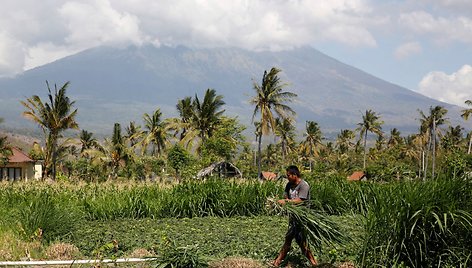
(121, 84)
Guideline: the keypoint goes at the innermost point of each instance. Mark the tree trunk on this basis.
(259, 162)
(428, 148)
(53, 156)
(365, 148)
(470, 143)
(433, 164)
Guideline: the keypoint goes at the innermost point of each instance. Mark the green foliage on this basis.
(457, 163)
(180, 257)
(211, 237)
(224, 144)
(319, 229)
(178, 158)
(418, 223)
(5, 151)
(39, 216)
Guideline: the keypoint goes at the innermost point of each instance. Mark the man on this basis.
(296, 191)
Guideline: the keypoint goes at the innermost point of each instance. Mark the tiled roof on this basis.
(269, 175)
(18, 156)
(356, 176)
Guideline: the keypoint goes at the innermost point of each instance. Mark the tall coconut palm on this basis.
(270, 102)
(430, 128)
(465, 114)
(155, 133)
(53, 117)
(370, 123)
(312, 141)
(207, 113)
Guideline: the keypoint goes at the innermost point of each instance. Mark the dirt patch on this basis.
(235, 262)
(62, 251)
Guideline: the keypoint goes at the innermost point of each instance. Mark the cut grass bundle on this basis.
(317, 226)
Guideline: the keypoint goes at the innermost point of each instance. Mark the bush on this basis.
(41, 216)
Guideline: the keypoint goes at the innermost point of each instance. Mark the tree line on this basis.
(202, 134)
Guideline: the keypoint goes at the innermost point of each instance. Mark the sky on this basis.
(423, 45)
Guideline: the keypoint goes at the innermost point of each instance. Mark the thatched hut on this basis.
(221, 169)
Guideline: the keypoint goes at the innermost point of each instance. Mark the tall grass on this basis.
(419, 224)
(134, 200)
(416, 223)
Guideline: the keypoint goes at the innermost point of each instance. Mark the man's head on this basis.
(293, 174)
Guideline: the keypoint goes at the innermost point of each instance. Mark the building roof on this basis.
(267, 175)
(223, 168)
(356, 176)
(18, 156)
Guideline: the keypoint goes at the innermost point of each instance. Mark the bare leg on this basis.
(283, 252)
(306, 251)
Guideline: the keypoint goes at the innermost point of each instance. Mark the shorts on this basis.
(295, 231)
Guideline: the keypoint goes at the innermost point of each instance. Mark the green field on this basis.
(409, 224)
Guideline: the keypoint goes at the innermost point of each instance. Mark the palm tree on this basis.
(87, 142)
(465, 114)
(429, 127)
(54, 117)
(344, 140)
(395, 138)
(452, 138)
(206, 114)
(370, 123)
(155, 133)
(182, 126)
(313, 138)
(414, 150)
(185, 110)
(133, 133)
(286, 132)
(270, 101)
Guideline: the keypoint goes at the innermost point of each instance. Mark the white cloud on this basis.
(455, 88)
(55, 28)
(11, 55)
(46, 52)
(97, 22)
(408, 49)
(441, 29)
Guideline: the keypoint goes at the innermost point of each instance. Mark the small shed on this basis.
(357, 176)
(20, 166)
(221, 169)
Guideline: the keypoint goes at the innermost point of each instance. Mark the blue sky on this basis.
(423, 45)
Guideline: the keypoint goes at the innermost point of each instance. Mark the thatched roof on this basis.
(222, 169)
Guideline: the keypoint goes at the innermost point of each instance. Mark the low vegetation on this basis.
(416, 224)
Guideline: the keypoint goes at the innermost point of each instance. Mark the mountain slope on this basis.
(120, 84)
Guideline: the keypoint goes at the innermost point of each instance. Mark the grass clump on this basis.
(419, 224)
